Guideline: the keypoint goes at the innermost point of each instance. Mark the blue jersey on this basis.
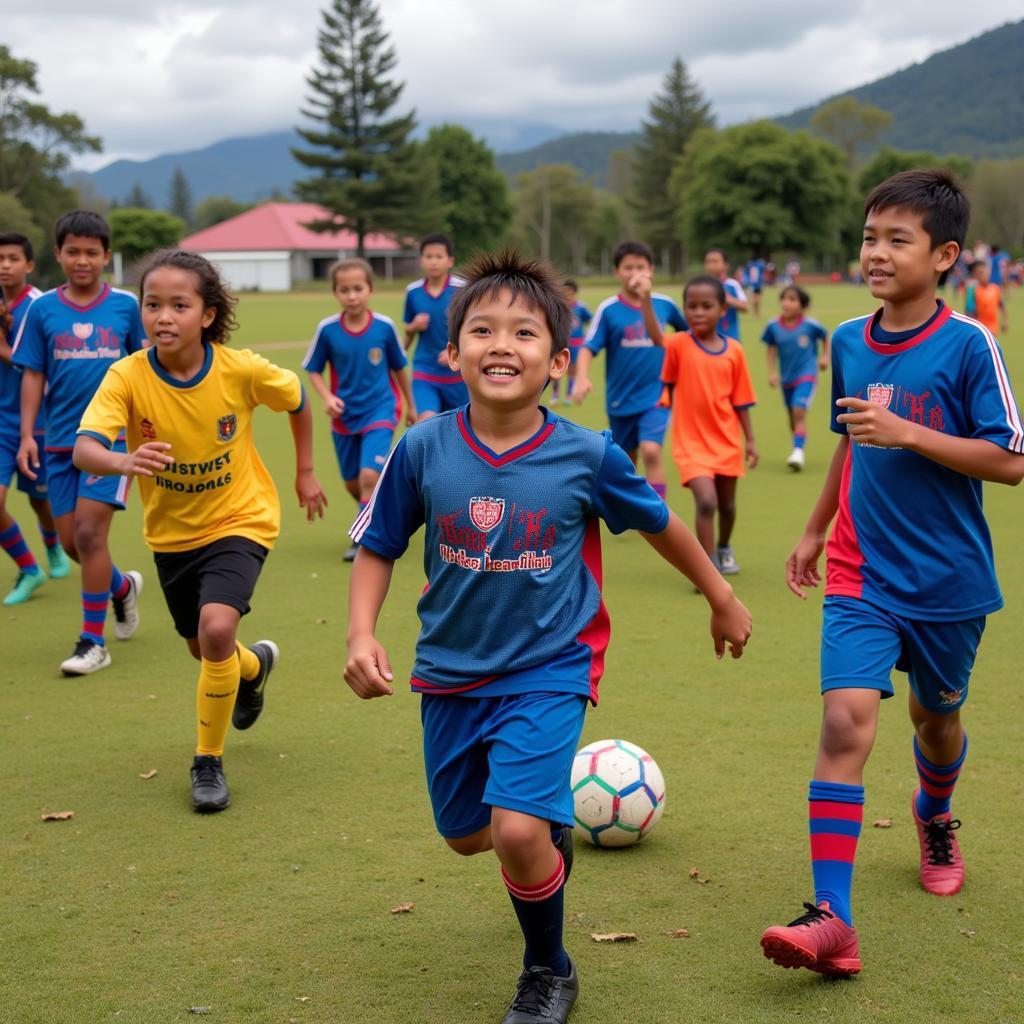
(797, 345)
(361, 365)
(910, 535)
(729, 325)
(581, 317)
(512, 551)
(434, 340)
(634, 361)
(997, 267)
(73, 346)
(10, 377)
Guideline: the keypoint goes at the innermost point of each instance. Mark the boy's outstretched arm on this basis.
(332, 403)
(90, 456)
(33, 384)
(772, 359)
(307, 487)
(368, 669)
(409, 403)
(730, 620)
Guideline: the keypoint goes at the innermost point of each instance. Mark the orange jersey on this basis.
(709, 389)
(987, 298)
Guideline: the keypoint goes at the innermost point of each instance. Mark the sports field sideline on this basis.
(103, 916)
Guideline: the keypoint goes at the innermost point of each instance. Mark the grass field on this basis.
(279, 909)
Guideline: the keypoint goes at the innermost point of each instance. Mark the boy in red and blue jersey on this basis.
(925, 412)
(716, 263)
(68, 339)
(436, 387)
(794, 362)
(629, 328)
(17, 261)
(513, 626)
(581, 317)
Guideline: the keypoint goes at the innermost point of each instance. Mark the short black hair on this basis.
(14, 238)
(536, 283)
(83, 223)
(209, 286)
(632, 248)
(935, 196)
(721, 252)
(438, 239)
(706, 279)
(805, 299)
(570, 282)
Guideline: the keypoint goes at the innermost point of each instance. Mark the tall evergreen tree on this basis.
(137, 199)
(673, 116)
(369, 174)
(179, 201)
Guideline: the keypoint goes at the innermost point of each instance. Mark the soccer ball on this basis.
(618, 793)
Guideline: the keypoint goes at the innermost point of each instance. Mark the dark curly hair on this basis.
(209, 286)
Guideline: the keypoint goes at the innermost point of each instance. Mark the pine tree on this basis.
(179, 200)
(137, 199)
(673, 117)
(369, 174)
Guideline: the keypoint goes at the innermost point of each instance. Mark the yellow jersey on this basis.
(217, 486)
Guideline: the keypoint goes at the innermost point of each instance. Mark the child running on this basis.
(924, 409)
(16, 264)
(69, 338)
(709, 390)
(366, 363)
(211, 508)
(794, 361)
(513, 628)
(581, 317)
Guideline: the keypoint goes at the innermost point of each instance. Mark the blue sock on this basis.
(937, 783)
(118, 583)
(836, 812)
(540, 909)
(800, 439)
(94, 615)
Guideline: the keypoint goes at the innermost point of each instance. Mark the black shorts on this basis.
(224, 572)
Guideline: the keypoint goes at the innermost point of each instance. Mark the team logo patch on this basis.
(950, 697)
(82, 331)
(880, 394)
(147, 430)
(375, 355)
(486, 513)
(226, 427)
(804, 341)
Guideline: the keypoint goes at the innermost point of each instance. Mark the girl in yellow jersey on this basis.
(211, 508)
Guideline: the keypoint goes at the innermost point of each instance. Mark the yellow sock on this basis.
(215, 699)
(248, 662)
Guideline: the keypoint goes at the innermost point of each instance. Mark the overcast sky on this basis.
(162, 76)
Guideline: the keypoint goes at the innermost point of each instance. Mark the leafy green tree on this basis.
(139, 231)
(997, 202)
(850, 125)
(674, 116)
(611, 224)
(888, 161)
(556, 208)
(368, 172)
(15, 216)
(137, 199)
(757, 188)
(473, 191)
(179, 201)
(216, 209)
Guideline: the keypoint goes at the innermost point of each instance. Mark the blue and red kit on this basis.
(729, 325)
(797, 346)
(10, 407)
(581, 317)
(436, 387)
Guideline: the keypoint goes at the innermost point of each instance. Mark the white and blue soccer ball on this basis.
(618, 793)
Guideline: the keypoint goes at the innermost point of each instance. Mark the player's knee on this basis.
(935, 730)
(707, 505)
(367, 481)
(352, 486)
(843, 731)
(217, 634)
(90, 536)
(517, 835)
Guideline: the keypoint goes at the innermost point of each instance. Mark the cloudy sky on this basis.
(168, 75)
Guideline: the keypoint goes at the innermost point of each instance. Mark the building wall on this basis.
(254, 271)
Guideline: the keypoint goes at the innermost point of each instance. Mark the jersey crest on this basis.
(880, 394)
(375, 356)
(82, 331)
(486, 513)
(226, 427)
(147, 430)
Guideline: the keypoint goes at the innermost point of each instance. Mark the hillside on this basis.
(588, 151)
(967, 100)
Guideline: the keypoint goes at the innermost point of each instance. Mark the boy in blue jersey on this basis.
(581, 317)
(755, 278)
(367, 376)
(924, 410)
(68, 339)
(716, 263)
(16, 295)
(436, 387)
(794, 362)
(513, 626)
(629, 327)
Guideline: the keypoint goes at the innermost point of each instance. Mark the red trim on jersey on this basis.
(596, 633)
(888, 350)
(844, 557)
(20, 299)
(356, 334)
(393, 381)
(104, 292)
(339, 428)
(794, 325)
(431, 378)
(807, 378)
(512, 454)
(622, 298)
(426, 287)
(422, 686)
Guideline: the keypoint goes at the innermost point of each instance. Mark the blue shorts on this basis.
(574, 352)
(512, 752)
(67, 483)
(629, 432)
(9, 468)
(799, 395)
(861, 644)
(434, 396)
(362, 451)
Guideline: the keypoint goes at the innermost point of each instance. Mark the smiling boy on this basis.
(513, 627)
(923, 406)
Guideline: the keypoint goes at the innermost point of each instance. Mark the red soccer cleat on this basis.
(818, 940)
(942, 864)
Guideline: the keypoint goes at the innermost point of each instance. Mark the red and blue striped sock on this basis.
(14, 544)
(937, 783)
(50, 538)
(118, 583)
(94, 615)
(541, 909)
(660, 490)
(799, 437)
(836, 813)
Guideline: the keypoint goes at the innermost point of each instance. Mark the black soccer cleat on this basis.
(542, 996)
(209, 787)
(564, 846)
(249, 702)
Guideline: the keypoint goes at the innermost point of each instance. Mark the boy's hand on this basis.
(410, 415)
(147, 459)
(823, 364)
(581, 388)
(442, 356)
(311, 494)
(868, 423)
(752, 455)
(420, 322)
(368, 670)
(641, 284)
(802, 564)
(334, 406)
(730, 624)
(773, 380)
(28, 457)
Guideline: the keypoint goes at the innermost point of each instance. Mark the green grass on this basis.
(137, 909)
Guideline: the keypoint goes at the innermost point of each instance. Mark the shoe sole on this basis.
(136, 578)
(790, 954)
(208, 808)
